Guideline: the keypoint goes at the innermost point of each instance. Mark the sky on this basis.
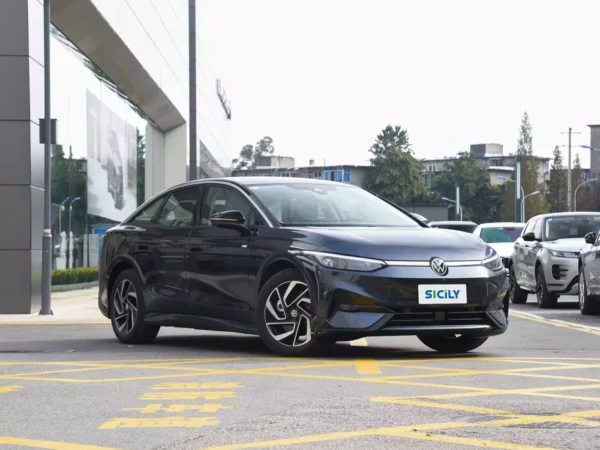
(324, 77)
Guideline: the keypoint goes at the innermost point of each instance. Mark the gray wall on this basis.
(595, 156)
(21, 155)
(431, 212)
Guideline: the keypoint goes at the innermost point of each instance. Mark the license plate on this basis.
(442, 294)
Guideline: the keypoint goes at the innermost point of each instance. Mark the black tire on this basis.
(545, 300)
(123, 308)
(453, 344)
(587, 305)
(292, 315)
(517, 295)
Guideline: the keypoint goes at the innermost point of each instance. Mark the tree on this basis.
(480, 201)
(556, 186)
(530, 177)
(249, 154)
(396, 173)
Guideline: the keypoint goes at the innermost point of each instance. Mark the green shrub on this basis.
(74, 276)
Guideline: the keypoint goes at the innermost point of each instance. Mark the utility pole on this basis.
(518, 189)
(193, 158)
(47, 233)
(569, 196)
(458, 214)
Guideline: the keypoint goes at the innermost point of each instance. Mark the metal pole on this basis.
(518, 198)
(523, 204)
(458, 209)
(69, 251)
(569, 176)
(193, 159)
(47, 233)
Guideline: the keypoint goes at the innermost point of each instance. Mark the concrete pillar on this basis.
(21, 155)
(155, 161)
(595, 155)
(175, 155)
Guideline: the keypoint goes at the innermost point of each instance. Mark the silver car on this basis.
(545, 260)
(589, 275)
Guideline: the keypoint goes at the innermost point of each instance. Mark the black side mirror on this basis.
(590, 238)
(529, 237)
(228, 219)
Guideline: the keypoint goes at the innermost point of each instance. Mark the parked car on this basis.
(501, 236)
(467, 227)
(589, 275)
(298, 262)
(546, 256)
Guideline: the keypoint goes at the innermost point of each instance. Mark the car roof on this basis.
(501, 224)
(566, 214)
(247, 181)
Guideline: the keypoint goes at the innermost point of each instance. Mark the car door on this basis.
(522, 256)
(161, 251)
(218, 264)
(592, 267)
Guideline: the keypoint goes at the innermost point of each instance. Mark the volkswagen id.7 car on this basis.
(298, 262)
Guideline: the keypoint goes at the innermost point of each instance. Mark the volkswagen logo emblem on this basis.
(439, 266)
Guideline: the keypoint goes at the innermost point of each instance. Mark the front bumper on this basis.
(562, 275)
(386, 302)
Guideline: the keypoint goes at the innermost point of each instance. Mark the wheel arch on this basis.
(120, 264)
(280, 263)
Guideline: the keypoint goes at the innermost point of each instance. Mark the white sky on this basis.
(323, 77)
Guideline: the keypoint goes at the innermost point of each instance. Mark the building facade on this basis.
(489, 156)
(120, 95)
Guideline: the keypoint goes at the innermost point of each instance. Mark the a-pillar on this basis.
(21, 155)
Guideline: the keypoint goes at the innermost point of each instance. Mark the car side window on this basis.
(178, 210)
(537, 230)
(529, 227)
(219, 199)
(148, 213)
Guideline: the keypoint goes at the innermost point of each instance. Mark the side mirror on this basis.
(590, 238)
(529, 237)
(228, 219)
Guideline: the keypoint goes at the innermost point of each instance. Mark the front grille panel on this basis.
(424, 316)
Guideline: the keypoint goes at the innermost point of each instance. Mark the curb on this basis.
(74, 287)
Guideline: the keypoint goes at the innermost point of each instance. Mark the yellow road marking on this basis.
(49, 444)
(10, 388)
(556, 324)
(160, 422)
(368, 367)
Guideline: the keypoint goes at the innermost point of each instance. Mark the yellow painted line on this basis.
(368, 367)
(475, 442)
(446, 406)
(93, 322)
(362, 342)
(52, 372)
(556, 324)
(53, 445)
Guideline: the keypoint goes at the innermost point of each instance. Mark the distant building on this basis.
(490, 156)
(595, 155)
(285, 166)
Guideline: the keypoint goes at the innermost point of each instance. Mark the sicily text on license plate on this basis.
(442, 294)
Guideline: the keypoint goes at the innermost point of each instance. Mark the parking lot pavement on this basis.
(567, 310)
(75, 387)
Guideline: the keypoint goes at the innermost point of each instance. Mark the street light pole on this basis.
(524, 197)
(577, 188)
(446, 199)
(69, 254)
(518, 199)
(569, 196)
(60, 210)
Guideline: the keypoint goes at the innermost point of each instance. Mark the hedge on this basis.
(73, 276)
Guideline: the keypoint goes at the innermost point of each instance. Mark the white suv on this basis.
(545, 260)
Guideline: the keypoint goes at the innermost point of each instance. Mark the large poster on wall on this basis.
(112, 162)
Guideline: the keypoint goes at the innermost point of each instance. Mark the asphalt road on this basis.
(75, 387)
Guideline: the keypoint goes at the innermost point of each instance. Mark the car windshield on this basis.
(570, 227)
(329, 205)
(493, 235)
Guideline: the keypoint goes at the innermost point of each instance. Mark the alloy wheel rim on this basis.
(125, 303)
(287, 315)
(539, 289)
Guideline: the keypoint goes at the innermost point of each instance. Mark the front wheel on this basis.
(284, 318)
(587, 306)
(544, 298)
(517, 295)
(128, 311)
(453, 344)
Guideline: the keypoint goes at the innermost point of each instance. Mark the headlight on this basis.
(342, 262)
(494, 264)
(558, 254)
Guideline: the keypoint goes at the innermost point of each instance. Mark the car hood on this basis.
(402, 244)
(504, 249)
(566, 245)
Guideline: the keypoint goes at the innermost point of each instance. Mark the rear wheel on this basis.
(284, 318)
(544, 298)
(587, 305)
(128, 311)
(453, 344)
(517, 295)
